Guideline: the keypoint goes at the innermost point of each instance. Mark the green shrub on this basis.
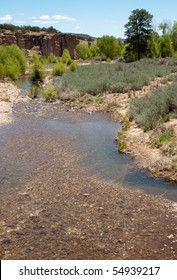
(108, 60)
(66, 58)
(113, 78)
(73, 67)
(174, 164)
(59, 69)
(109, 46)
(12, 62)
(121, 146)
(52, 58)
(150, 110)
(37, 72)
(35, 58)
(82, 51)
(50, 94)
(166, 136)
(94, 50)
(34, 91)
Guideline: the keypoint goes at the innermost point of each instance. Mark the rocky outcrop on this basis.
(43, 41)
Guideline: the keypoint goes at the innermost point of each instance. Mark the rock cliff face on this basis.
(43, 41)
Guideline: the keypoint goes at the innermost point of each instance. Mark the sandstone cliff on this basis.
(43, 41)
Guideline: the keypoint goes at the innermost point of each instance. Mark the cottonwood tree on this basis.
(173, 35)
(138, 32)
(109, 46)
(164, 27)
(166, 46)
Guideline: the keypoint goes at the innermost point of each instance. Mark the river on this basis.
(93, 137)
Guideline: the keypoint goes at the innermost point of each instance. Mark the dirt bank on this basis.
(9, 96)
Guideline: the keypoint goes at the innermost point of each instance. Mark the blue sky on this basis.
(93, 17)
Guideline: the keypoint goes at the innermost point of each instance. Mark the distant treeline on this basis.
(51, 29)
(26, 28)
(83, 36)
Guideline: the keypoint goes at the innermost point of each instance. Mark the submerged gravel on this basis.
(53, 208)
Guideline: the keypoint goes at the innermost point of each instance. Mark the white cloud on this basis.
(48, 22)
(60, 17)
(45, 17)
(56, 17)
(77, 27)
(6, 18)
(36, 21)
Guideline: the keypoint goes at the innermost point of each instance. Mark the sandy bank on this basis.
(9, 95)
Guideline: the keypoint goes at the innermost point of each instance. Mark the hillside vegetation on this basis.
(119, 77)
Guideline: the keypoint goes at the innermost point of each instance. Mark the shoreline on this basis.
(9, 96)
(137, 142)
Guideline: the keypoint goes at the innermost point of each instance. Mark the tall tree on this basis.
(138, 32)
(166, 46)
(108, 46)
(173, 35)
(164, 27)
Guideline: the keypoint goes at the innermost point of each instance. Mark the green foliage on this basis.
(66, 58)
(164, 26)
(52, 58)
(82, 51)
(35, 58)
(25, 28)
(173, 35)
(109, 46)
(108, 60)
(12, 62)
(126, 124)
(166, 47)
(59, 69)
(94, 50)
(73, 66)
(50, 94)
(166, 141)
(174, 164)
(113, 78)
(150, 110)
(138, 32)
(166, 136)
(37, 72)
(154, 50)
(121, 141)
(128, 54)
(34, 91)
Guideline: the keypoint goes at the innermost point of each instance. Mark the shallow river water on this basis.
(94, 141)
(93, 137)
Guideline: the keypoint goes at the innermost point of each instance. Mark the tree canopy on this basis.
(138, 32)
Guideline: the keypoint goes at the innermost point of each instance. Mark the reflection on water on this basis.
(24, 84)
(95, 143)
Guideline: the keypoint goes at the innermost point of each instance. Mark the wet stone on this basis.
(6, 241)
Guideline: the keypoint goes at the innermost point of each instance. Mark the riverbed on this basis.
(66, 193)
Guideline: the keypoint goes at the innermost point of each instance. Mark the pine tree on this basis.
(138, 32)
